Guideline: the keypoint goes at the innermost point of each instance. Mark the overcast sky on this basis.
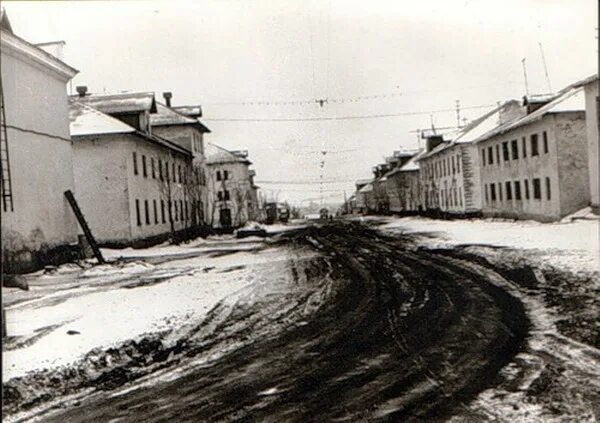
(414, 56)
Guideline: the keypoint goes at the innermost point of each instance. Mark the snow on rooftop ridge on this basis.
(85, 120)
(120, 103)
(169, 116)
(216, 154)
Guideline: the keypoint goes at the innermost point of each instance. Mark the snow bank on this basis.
(574, 245)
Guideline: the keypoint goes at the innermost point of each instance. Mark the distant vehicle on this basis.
(276, 212)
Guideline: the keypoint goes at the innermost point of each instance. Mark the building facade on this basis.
(536, 166)
(405, 191)
(232, 195)
(38, 226)
(592, 108)
(133, 187)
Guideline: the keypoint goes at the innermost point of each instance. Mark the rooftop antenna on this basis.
(545, 67)
(525, 75)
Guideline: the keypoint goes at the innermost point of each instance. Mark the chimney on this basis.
(433, 141)
(167, 96)
(81, 90)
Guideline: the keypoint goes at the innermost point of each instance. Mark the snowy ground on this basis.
(71, 311)
(573, 245)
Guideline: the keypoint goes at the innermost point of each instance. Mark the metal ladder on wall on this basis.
(6, 181)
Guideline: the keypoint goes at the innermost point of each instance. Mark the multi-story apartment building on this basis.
(232, 197)
(132, 185)
(536, 166)
(405, 191)
(38, 226)
(592, 106)
(450, 171)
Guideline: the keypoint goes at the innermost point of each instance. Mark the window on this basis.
(537, 190)
(226, 195)
(137, 213)
(180, 210)
(186, 211)
(173, 174)
(515, 149)
(162, 211)
(526, 183)
(160, 169)
(176, 216)
(490, 155)
(166, 171)
(499, 191)
(505, 151)
(220, 195)
(534, 145)
(517, 190)
(483, 156)
(225, 175)
(458, 164)
(135, 168)
(218, 175)
(170, 210)
(460, 196)
(152, 167)
(155, 212)
(498, 153)
(493, 192)
(508, 190)
(179, 173)
(487, 199)
(545, 140)
(144, 166)
(524, 145)
(147, 212)
(548, 194)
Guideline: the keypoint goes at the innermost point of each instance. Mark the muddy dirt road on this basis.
(369, 330)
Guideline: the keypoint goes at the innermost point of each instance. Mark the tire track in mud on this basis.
(394, 334)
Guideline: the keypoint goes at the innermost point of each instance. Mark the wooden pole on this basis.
(84, 226)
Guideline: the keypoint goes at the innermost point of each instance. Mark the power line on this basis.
(351, 117)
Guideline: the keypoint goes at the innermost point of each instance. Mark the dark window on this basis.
(498, 153)
(460, 196)
(487, 200)
(152, 167)
(167, 171)
(144, 166)
(515, 149)
(220, 195)
(155, 212)
(508, 190)
(534, 145)
(226, 195)
(517, 190)
(162, 211)
(458, 164)
(135, 168)
(225, 175)
(537, 189)
(137, 213)
(500, 191)
(179, 173)
(453, 165)
(490, 155)
(186, 211)
(176, 215)
(160, 169)
(524, 145)
(174, 175)
(526, 183)
(181, 210)
(147, 212)
(548, 193)
(170, 210)
(545, 139)
(218, 175)
(483, 156)
(493, 192)
(505, 151)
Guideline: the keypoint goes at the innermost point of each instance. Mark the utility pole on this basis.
(458, 113)
(525, 75)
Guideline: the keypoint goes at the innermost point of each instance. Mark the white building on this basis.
(38, 225)
(132, 185)
(232, 197)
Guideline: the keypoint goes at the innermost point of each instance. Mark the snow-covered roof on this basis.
(218, 155)
(120, 103)
(168, 116)
(85, 120)
(367, 188)
(411, 165)
(191, 111)
(572, 99)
